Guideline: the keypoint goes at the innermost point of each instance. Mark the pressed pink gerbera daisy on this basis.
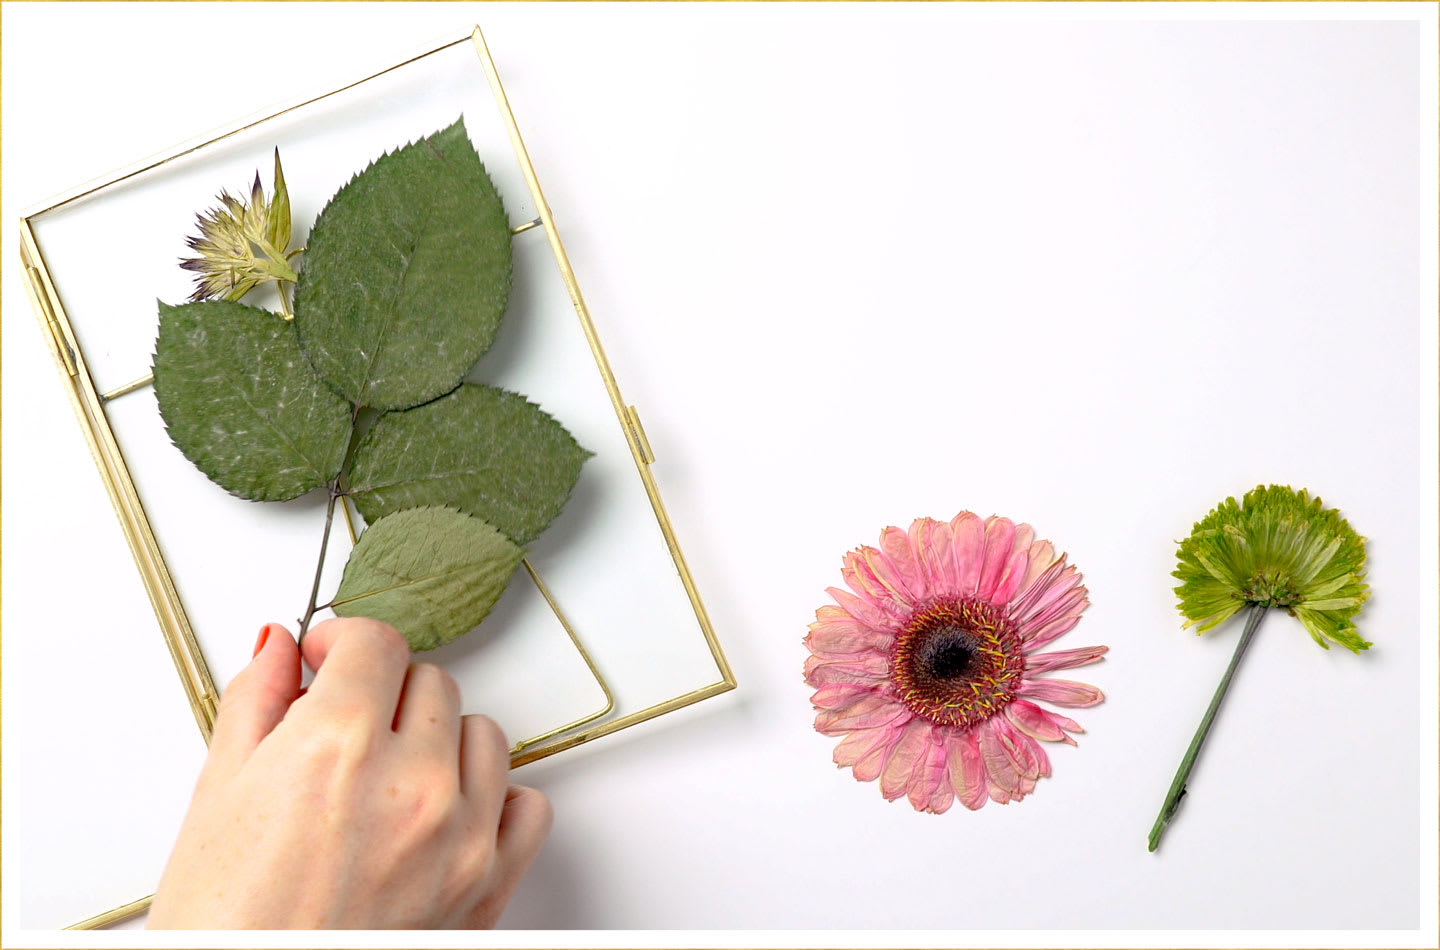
(930, 667)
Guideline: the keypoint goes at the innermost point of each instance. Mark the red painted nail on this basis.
(260, 640)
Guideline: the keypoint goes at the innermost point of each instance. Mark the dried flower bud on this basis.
(242, 245)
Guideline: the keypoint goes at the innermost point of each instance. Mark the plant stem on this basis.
(334, 490)
(319, 563)
(1177, 787)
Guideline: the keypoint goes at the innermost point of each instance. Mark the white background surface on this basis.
(856, 265)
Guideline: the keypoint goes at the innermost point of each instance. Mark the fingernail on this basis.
(260, 640)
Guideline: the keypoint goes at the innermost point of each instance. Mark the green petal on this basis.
(1334, 603)
(1328, 625)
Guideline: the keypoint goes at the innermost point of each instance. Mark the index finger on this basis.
(359, 667)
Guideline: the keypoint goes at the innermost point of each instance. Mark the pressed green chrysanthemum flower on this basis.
(243, 245)
(1276, 548)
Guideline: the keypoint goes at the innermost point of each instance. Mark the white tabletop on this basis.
(855, 266)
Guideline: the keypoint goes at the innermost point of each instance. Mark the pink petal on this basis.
(929, 775)
(1036, 663)
(1012, 580)
(868, 613)
(1061, 692)
(967, 549)
(872, 670)
(1001, 770)
(1013, 761)
(1029, 755)
(1049, 587)
(900, 566)
(933, 540)
(1042, 556)
(844, 636)
(838, 696)
(857, 656)
(944, 794)
(1024, 535)
(893, 578)
(965, 768)
(875, 710)
(873, 579)
(1069, 725)
(999, 543)
(867, 767)
(1060, 620)
(1036, 722)
(900, 764)
(1067, 603)
(1004, 795)
(1012, 575)
(1000, 765)
(861, 579)
(1053, 631)
(860, 743)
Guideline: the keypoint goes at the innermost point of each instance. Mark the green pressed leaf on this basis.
(239, 399)
(431, 573)
(483, 450)
(407, 271)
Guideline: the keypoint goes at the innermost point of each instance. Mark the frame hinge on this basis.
(45, 308)
(632, 420)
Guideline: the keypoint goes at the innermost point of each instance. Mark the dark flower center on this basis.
(947, 654)
(957, 662)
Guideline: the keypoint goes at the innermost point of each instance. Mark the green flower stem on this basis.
(319, 564)
(1177, 787)
(285, 310)
(335, 492)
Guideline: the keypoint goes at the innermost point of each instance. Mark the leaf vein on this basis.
(232, 378)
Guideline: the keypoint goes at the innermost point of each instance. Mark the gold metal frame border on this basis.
(89, 408)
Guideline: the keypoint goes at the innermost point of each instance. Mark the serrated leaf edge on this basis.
(585, 455)
(319, 227)
(519, 552)
(213, 476)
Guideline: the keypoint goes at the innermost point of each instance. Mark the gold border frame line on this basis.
(179, 637)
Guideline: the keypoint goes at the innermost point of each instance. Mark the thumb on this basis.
(257, 698)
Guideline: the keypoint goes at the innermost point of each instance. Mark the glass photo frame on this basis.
(603, 626)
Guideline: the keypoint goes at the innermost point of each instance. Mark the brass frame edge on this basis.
(603, 711)
(115, 916)
(195, 677)
(624, 722)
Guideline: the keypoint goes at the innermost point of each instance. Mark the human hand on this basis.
(367, 802)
